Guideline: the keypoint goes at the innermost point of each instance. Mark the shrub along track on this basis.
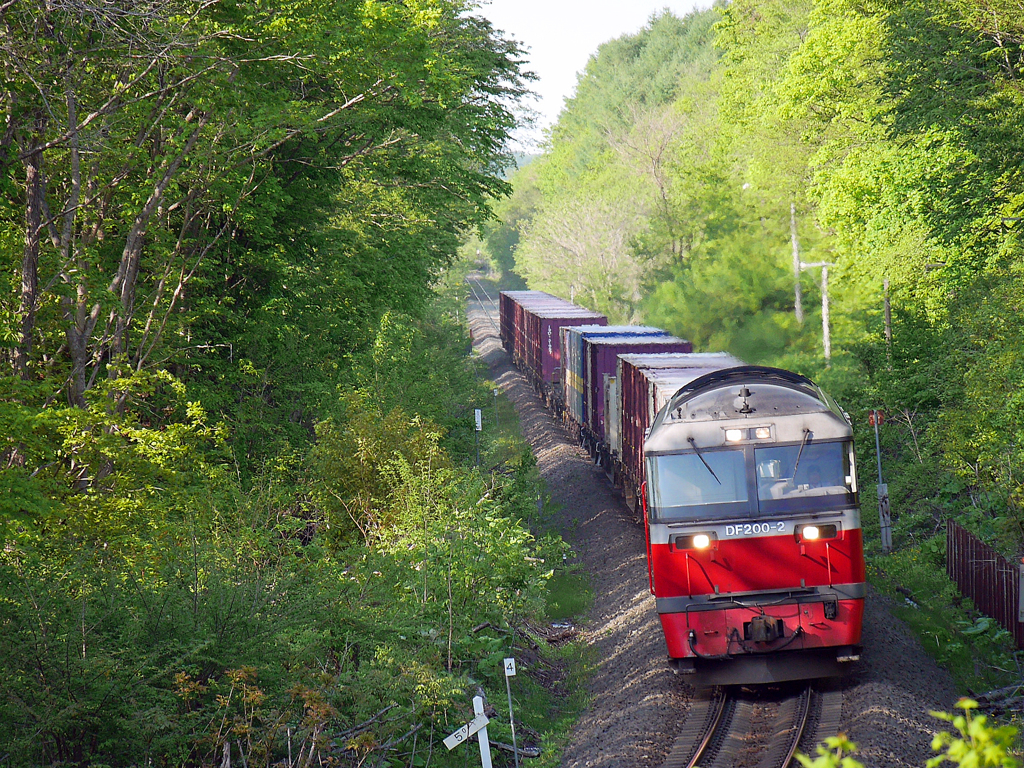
(638, 707)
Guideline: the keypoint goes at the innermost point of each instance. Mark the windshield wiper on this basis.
(796, 466)
(697, 451)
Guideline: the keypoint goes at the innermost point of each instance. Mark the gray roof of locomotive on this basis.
(786, 401)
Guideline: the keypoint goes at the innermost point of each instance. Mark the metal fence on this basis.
(985, 576)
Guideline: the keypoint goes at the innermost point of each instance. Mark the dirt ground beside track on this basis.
(637, 704)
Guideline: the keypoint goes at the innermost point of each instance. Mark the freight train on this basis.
(745, 477)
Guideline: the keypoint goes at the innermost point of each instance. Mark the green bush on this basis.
(344, 604)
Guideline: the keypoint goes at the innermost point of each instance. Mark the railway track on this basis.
(763, 728)
(480, 294)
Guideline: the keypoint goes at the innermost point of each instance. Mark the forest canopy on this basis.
(236, 407)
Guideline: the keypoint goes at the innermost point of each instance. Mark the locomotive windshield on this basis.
(714, 484)
(683, 485)
(798, 477)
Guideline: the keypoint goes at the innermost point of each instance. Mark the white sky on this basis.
(560, 35)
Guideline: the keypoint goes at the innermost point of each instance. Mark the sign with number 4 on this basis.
(510, 667)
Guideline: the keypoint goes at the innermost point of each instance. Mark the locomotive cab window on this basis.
(691, 485)
(792, 477)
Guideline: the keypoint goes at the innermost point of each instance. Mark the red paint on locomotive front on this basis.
(757, 563)
(719, 632)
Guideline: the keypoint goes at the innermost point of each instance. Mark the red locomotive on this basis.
(755, 551)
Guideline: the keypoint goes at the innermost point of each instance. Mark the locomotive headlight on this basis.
(817, 532)
(683, 542)
(763, 433)
(734, 435)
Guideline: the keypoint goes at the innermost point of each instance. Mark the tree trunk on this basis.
(125, 280)
(80, 321)
(30, 257)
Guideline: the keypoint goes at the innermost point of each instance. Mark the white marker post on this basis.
(454, 739)
(510, 671)
(485, 743)
(479, 427)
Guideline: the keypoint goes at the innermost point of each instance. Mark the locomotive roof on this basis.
(748, 373)
(750, 395)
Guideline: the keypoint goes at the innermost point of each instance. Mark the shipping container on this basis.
(602, 354)
(644, 384)
(574, 367)
(530, 325)
(543, 339)
(510, 313)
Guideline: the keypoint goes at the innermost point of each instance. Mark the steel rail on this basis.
(487, 312)
(712, 730)
(700, 728)
(712, 737)
(482, 290)
(799, 725)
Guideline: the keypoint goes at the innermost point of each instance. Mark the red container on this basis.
(543, 336)
(645, 383)
(510, 317)
(530, 331)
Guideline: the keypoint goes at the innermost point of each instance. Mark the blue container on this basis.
(575, 383)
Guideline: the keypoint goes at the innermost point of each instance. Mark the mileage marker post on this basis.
(510, 671)
(479, 416)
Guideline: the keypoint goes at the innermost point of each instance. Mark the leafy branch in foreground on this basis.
(975, 744)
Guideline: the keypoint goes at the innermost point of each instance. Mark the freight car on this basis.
(530, 331)
(755, 552)
(590, 354)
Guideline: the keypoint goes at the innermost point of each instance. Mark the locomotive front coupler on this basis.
(762, 629)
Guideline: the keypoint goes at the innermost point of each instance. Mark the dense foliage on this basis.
(701, 156)
(238, 513)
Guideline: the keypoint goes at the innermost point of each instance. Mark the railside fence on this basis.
(985, 576)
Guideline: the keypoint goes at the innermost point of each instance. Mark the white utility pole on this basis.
(797, 265)
(825, 330)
